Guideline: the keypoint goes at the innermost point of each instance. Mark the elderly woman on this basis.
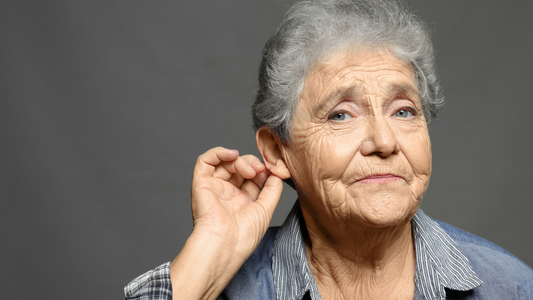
(346, 89)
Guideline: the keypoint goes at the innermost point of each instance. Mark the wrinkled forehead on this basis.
(356, 72)
(359, 57)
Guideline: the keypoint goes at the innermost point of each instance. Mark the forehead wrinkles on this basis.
(353, 75)
(379, 77)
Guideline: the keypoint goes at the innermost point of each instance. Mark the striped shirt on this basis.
(440, 265)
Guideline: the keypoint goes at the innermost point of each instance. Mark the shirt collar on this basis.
(290, 269)
(440, 263)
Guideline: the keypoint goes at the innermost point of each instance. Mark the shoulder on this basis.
(502, 273)
(254, 278)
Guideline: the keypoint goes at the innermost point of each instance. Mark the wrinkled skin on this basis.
(360, 152)
(360, 157)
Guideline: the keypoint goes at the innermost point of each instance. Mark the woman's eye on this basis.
(403, 113)
(341, 117)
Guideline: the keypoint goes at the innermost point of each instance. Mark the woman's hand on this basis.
(233, 199)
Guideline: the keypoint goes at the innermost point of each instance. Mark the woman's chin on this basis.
(382, 221)
(381, 212)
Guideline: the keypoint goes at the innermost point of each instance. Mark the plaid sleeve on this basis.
(152, 285)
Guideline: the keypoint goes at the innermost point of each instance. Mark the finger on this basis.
(251, 189)
(221, 171)
(254, 162)
(234, 172)
(206, 163)
(236, 179)
(270, 194)
(246, 166)
(259, 180)
(254, 186)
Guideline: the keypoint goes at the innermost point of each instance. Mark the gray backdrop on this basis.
(107, 104)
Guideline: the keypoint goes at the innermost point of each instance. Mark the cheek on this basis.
(299, 154)
(418, 153)
(321, 156)
(337, 154)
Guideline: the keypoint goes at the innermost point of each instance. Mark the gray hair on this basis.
(313, 29)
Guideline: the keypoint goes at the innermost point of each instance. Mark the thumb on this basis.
(270, 194)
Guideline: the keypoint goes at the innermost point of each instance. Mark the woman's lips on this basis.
(379, 179)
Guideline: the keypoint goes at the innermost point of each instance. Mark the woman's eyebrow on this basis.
(352, 91)
(401, 88)
(356, 90)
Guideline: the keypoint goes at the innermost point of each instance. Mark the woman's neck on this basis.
(350, 261)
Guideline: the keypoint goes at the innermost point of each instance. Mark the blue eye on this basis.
(403, 113)
(341, 117)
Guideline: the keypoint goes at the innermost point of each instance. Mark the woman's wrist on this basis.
(204, 266)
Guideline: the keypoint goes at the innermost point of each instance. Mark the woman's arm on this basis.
(233, 199)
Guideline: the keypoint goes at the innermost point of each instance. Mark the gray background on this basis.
(105, 106)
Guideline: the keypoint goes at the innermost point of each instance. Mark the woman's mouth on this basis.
(379, 179)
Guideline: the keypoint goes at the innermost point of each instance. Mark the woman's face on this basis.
(360, 150)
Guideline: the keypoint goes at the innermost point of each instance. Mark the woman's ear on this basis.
(269, 146)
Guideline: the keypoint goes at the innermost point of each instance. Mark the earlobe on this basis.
(270, 147)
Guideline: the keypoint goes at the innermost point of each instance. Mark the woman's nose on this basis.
(380, 138)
